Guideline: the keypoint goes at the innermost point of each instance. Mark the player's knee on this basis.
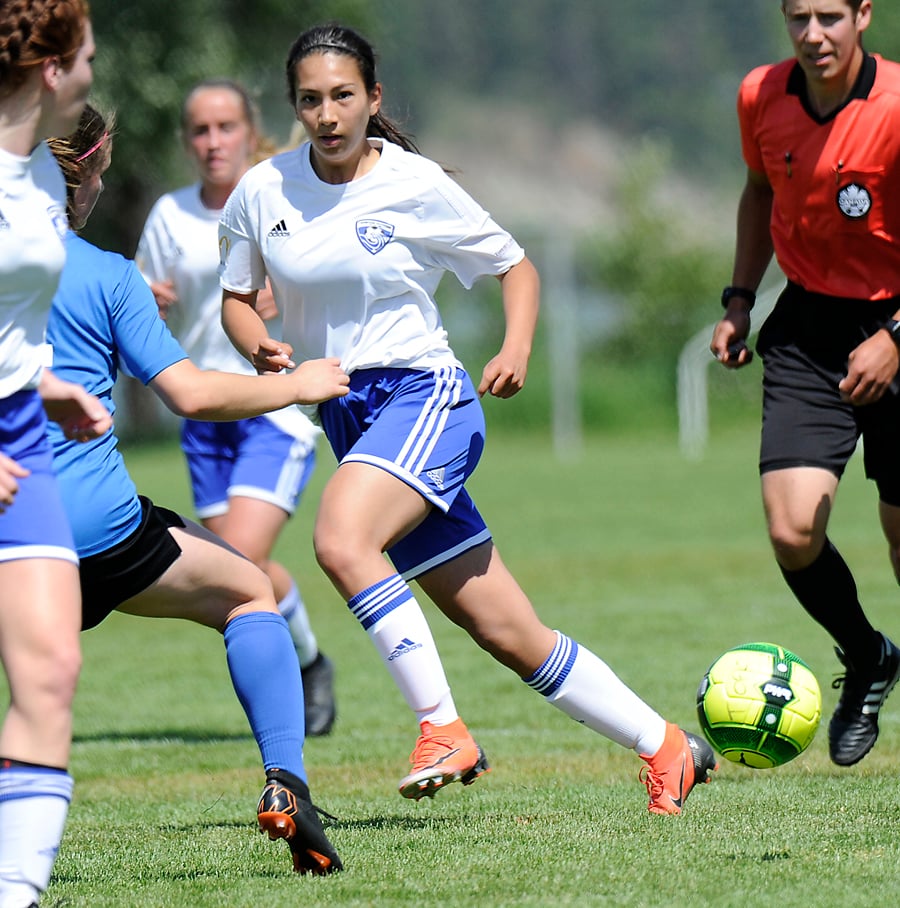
(57, 669)
(335, 551)
(795, 546)
(894, 555)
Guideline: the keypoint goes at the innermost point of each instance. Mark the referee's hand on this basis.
(871, 368)
(729, 344)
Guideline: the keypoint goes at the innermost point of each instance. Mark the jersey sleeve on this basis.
(156, 248)
(748, 96)
(241, 266)
(464, 238)
(145, 345)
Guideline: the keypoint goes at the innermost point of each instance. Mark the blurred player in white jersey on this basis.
(247, 476)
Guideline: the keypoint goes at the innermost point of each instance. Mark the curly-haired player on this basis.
(46, 48)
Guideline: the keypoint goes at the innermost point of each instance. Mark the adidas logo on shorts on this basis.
(436, 476)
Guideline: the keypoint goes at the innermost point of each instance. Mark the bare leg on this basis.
(40, 620)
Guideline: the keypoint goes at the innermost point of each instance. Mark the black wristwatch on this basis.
(742, 292)
(892, 326)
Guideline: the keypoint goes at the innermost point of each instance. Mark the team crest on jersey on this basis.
(60, 221)
(854, 201)
(374, 235)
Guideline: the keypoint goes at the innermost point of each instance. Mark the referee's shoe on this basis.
(853, 729)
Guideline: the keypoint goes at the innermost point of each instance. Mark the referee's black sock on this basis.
(827, 590)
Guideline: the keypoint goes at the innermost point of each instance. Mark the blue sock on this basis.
(266, 678)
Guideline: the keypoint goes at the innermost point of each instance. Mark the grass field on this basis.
(656, 563)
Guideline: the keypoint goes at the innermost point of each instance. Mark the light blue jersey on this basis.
(104, 317)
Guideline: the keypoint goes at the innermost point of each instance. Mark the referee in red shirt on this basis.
(820, 135)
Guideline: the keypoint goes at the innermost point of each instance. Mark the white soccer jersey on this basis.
(354, 267)
(32, 227)
(179, 244)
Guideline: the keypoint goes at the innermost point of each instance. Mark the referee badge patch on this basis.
(854, 201)
(374, 235)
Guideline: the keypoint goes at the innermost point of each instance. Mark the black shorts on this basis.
(804, 345)
(110, 578)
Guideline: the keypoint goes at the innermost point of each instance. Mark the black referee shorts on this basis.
(110, 578)
(804, 345)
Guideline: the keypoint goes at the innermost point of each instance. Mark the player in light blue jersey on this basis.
(355, 230)
(146, 560)
(46, 49)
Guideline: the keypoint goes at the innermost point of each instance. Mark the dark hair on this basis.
(853, 4)
(338, 39)
(83, 153)
(32, 31)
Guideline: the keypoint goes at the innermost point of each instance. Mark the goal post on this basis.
(692, 380)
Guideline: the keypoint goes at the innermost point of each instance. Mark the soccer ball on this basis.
(759, 705)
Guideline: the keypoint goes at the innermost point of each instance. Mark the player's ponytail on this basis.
(83, 153)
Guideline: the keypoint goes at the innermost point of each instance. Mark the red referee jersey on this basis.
(836, 212)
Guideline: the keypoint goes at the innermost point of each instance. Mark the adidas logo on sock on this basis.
(402, 648)
(280, 229)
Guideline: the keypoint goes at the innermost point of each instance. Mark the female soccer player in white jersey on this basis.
(46, 49)
(149, 561)
(247, 476)
(354, 230)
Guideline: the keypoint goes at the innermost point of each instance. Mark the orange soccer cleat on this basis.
(683, 761)
(443, 754)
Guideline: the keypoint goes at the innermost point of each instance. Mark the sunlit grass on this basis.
(656, 563)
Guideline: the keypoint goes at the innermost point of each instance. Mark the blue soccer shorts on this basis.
(251, 458)
(426, 427)
(35, 525)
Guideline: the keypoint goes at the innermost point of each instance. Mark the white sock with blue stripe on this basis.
(34, 801)
(293, 610)
(585, 688)
(394, 621)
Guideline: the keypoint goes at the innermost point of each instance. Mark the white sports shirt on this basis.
(179, 243)
(32, 227)
(354, 267)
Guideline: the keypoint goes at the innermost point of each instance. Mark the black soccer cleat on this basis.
(318, 696)
(853, 729)
(286, 812)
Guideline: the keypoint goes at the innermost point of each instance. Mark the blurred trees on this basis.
(660, 76)
(149, 55)
(650, 68)
(644, 68)
(650, 65)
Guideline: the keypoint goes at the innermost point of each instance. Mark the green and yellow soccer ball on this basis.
(759, 705)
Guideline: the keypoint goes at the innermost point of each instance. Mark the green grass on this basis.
(656, 563)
